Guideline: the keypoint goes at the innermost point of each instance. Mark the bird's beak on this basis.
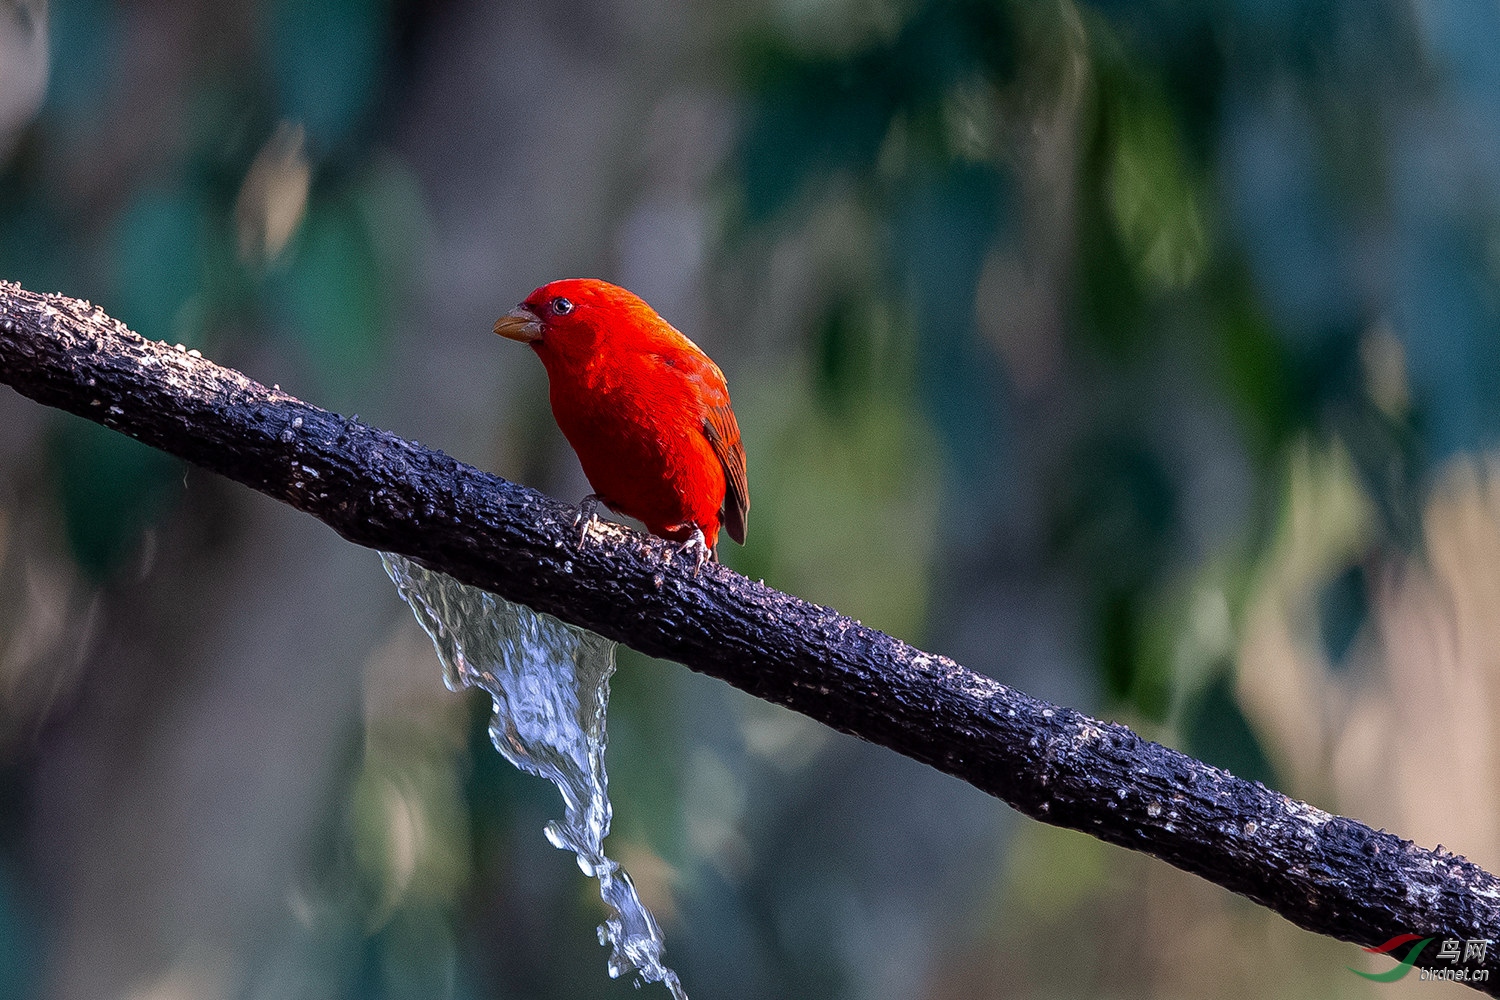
(519, 324)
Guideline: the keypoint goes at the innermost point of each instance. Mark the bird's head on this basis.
(570, 315)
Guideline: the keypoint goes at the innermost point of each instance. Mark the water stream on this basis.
(550, 685)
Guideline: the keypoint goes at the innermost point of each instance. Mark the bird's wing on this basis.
(723, 433)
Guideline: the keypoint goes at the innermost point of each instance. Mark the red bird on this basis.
(646, 411)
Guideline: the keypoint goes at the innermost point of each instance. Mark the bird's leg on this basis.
(588, 514)
(697, 541)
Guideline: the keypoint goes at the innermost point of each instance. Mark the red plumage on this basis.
(646, 411)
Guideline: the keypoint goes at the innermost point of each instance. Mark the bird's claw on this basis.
(697, 541)
(588, 514)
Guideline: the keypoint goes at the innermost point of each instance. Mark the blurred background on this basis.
(1145, 355)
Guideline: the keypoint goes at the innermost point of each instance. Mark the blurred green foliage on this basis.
(911, 121)
(111, 488)
(166, 258)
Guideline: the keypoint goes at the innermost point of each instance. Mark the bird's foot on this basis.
(698, 542)
(588, 515)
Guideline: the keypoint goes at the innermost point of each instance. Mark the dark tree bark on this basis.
(1326, 873)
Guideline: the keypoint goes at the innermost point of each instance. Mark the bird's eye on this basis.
(562, 306)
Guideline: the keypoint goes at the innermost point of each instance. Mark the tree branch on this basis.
(1328, 874)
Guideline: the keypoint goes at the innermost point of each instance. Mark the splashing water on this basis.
(550, 685)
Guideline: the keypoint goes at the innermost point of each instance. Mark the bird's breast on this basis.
(637, 428)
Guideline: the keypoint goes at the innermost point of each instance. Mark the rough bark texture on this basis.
(1328, 874)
